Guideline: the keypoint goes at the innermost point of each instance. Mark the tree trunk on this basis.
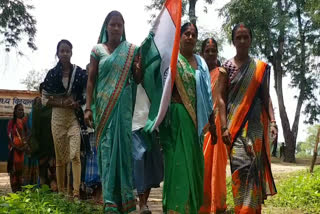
(289, 152)
(192, 11)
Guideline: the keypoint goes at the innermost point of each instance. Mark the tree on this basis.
(33, 79)
(313, 8)
(285, 34)
(307, 147)
(206, 33)
(157, 5)
(16, 22)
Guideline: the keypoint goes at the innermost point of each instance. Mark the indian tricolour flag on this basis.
(159, 57)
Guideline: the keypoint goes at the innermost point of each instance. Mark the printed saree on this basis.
(215, 163)
(112, 107)
(248, 124)
(182, 145)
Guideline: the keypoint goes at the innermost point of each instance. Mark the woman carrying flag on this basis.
(181, 132)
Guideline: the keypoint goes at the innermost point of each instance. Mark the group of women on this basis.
(215, 111)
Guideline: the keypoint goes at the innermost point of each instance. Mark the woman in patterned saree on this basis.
(247, 118)
(113, 74)
(214, 150)
(181, 133)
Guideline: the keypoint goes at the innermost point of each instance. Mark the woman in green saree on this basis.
(181, 133)
(113, 74)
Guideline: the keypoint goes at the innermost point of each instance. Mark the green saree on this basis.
(184, 163)
(113, 103)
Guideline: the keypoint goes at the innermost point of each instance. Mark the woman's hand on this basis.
(69, 102)
(88, 118)
(226, 137)
(213, 132)
(137, 72)
(273, 130)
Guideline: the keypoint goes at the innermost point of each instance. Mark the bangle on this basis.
(87, 109)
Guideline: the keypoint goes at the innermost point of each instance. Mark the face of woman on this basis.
(115, 28)
(210, 53)
(188, 39)
(242, 39)
(64, 53)
(20, 112)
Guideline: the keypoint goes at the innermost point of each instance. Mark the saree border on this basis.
(115, 94)
(184, 96)
(241, 113)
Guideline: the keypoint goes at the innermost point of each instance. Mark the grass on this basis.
(40, 200)
(298, 192)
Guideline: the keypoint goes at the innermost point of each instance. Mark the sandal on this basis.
(145, 210)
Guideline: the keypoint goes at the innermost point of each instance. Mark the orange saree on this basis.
(215, 160)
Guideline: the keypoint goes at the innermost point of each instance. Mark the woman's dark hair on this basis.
(185, 26)
(235, 28)
(206, 41)
(63, 41)
(15, 112)
(107, 20)
(112, 14)
(41, 87)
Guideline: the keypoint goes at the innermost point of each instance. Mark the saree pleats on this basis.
(115, 158)
(183, 181)
(215, 163)
(113, 110)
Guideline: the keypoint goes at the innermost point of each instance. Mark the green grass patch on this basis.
(299, 191)
(41, 200)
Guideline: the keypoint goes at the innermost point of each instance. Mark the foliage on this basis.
(300, 191)
(16, 22)
(34, 200)
(307, 147)
(313, 7)
(230, 202)
(33, 79)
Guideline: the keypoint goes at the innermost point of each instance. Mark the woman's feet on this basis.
(145, 210)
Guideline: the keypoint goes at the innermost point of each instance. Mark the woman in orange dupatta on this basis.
(247, 119)
(215, 154)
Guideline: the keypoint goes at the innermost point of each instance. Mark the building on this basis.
(8, 99)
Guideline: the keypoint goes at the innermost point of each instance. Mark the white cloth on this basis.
(141, 109)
